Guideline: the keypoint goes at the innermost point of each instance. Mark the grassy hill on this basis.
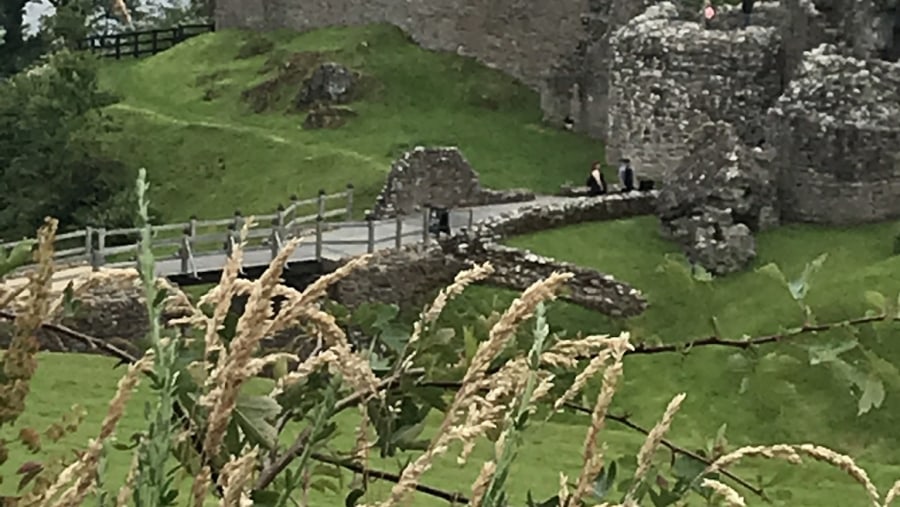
(183, 109)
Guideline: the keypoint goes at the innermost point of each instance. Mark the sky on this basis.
(34, 11)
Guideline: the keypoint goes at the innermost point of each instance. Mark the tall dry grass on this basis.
(487, 403)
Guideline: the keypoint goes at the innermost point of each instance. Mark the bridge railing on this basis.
(100, 246)
(193, 239)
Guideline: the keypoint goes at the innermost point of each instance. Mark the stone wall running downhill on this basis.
(668, 76)
(836, 132)
(437, 176)
(411, 275)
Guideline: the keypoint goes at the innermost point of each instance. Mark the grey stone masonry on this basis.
(836, 133)
(668, 76)
(437, 176)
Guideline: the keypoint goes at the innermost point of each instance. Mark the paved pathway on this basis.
(384, 239)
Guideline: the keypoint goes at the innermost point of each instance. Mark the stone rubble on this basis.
(437, 176)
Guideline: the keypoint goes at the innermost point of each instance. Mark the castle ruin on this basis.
(643, 75)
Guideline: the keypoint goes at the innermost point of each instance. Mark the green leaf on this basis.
(876, 299)
(800, 287)
(604, 482)
(324, 485)
(885, 370)
(470, 342)
(353, 497)
(395, 336)
(773, 271)
(687, 468)
(872, 396)
(18, 256)
(252, 414)
(265, 498)
(819, 354)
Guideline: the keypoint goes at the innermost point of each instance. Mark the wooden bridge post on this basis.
(398, 231)
(238, 220)
(184, 253)
(349, 201)
(319, 220)
(192, 225)
(98, 257)
(370, 224)
(231, 240)
(321, 203)
(89, 243)
(277, 236)
(426, 212)
(293, 214)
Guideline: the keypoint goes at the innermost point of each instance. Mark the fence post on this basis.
(184, 253)
(193, 226)
(349, 201)
(275, 238)
(294, 204)
(370, 224)
(89, 242)
(155, 48)
(425, 216)
(136, 44)
(321, 203)
(471, 218)
(98, 257)
(319, 220)
(118, 46)
(281, 217)
(229, 240)
(398, 232)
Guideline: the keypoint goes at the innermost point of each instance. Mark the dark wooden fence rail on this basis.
(101, 246)
(140, 43)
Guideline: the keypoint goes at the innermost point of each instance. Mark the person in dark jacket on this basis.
(626, 175)
(596, 183)
(747, 8)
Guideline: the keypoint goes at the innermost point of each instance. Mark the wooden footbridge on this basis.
(196, 251)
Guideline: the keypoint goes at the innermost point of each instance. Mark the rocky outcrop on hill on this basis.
(330, 83)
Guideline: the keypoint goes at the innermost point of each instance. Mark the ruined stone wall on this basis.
(410, 276)
(439, 177)
(519, 37)
(577, 85)
(668, 76)
(836, 132)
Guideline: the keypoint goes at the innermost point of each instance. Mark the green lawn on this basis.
(412, 97)
(786, 400)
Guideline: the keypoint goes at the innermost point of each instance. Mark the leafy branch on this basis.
(644, 348)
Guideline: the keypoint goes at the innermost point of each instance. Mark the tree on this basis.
(51, 154)
(17, 50)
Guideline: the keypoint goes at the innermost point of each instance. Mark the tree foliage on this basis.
(52, 160)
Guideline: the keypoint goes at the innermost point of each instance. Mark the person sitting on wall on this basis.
(747, 8)
(568, 123)
(596, 183)
(626, 175)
